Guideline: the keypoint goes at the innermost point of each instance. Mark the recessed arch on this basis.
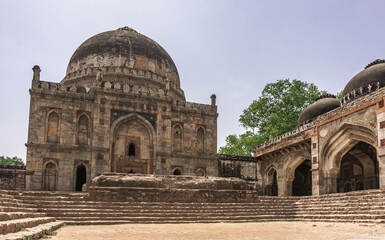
(132, 128)
(302, 182)
(50, 176)
(80, 177)
(81, 89)
(271, 180)
(53, 125)
(201, 139)
(341, 141)
(176, 171)
(335, 148)
(200, 172)
(83, 129)
(177, 138)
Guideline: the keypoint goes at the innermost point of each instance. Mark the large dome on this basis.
(323, 104)
(122, 51)
(373, 74)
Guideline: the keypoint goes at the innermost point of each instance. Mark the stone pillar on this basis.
(381, 142)
(330, 180)
(315, 164)
(213, 99)
(285, 187)
(36, 76)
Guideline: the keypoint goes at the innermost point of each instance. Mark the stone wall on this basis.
(324, 142)
(110, 107)
(128, 187)
(12, 177)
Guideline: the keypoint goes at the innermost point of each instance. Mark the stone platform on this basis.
(155, 188)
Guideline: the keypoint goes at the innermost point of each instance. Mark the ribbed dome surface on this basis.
(373, 73)
(323, 104)
(125, 48)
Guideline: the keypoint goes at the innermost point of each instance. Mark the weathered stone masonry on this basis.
(337, 147)
(119, 109)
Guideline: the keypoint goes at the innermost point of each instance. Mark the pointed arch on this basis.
(80, 176)
(122, 135)
(341, 141)
(177, 138)
(201, 139)
(294, 162)
(53, 124)
(50, 176)
(83, 130)
(271, 181)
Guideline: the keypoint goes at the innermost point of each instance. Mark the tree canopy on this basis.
(275, 112)
(11, 161)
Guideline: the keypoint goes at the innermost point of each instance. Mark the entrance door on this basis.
(81, 177)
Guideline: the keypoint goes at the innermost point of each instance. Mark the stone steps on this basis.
(34, 232)
(17, 205)
(5, 216)
(167, 214)
(363, 207)
(160, 211)
(17, 209)
(16, 216)
(139, 207)
(151, 219)
(16, 225)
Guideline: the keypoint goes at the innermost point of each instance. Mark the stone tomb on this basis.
(156, 188)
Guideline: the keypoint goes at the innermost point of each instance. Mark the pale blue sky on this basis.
(230, 48)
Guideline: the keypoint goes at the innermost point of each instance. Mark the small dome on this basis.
(124, 51)
(323, 104)
(373, 74)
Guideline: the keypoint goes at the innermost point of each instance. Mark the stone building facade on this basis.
(120, 108)
(338, 146)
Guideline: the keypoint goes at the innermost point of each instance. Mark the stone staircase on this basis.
(19, 220)
(360, 206)
(77, 208)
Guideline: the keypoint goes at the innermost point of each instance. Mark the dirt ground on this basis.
(223, 231)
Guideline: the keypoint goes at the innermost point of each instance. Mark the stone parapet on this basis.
(131, 194)
(168, 181)
(358, 102)
(195, 108)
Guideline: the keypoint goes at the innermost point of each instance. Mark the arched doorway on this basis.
(132, 149)
(50, 177)
(81, 177)
(302, 179)
(271, 188)
(359, 169)
(177, 171)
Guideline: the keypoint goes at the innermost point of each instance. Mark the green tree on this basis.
(275, 112)
(11, 161)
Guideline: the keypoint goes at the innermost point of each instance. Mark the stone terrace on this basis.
(19, 220)
(38, 210)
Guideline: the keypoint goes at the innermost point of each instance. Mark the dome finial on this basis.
(125, 28)
(377, 61)
(325, 95)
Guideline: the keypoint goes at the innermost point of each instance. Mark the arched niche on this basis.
(271, 181)
(53, 123)
(132, 147)
(83, 127)
(359, 169)
(50, 176)
(201, 137)
(302, 182)
(334, 150)
(177, 138)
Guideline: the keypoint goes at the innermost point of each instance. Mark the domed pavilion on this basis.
(338, 145)
(119, 108)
